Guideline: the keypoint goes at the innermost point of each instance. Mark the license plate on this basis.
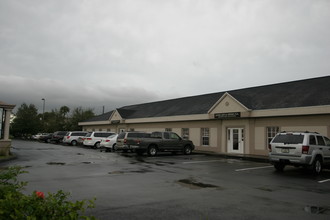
(284, 150)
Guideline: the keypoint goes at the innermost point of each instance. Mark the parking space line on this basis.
(323, 181)
(253, 168)
(203, 161)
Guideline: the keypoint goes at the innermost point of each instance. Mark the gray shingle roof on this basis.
(103, 117)
(302, 93)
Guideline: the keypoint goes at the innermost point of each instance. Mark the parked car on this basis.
(46, 138)
(109, 144)
(162, 142)
(126, 139)
(307, 149)
(72, 137)
(37, 136)
(58, 136)
(93, 139)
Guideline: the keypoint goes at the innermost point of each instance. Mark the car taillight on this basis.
(125, 141)
(107, 140)
(68, 137)
(89, 139)
(305, 149)
(269, 147)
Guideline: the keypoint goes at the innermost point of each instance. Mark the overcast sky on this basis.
(115, 53)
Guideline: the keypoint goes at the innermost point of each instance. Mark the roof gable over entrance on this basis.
(226, 104)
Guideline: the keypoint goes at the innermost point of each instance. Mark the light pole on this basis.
(43, 113)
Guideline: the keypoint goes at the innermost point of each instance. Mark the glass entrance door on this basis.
(235, 140)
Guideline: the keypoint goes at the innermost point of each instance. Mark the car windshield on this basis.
(289, 139)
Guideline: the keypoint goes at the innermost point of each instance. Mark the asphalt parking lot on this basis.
(197, 186)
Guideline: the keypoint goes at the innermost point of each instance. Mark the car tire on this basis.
(187, 150)
(152, 151)
(97, 145)
(74, 143)
(114, 148)
(279, 166)
(317, 166)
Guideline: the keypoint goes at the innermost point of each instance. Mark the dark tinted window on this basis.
(320, 140)
(102, 134)
(166, 135)
(289, 139)
(156, 135)
(133, 135)
(312, 140)
(78, 133)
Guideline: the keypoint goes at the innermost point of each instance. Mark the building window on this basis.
(168, 129)
(271, 132)
(185, 133)
(205, 136)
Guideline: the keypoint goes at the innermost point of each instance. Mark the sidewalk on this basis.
(256, 158)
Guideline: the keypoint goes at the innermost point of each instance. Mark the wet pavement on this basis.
(168, 186)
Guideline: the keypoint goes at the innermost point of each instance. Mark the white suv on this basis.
(93, 139)
(72, 137)
(307, 149)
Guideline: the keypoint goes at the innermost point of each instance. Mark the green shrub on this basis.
(16, 205)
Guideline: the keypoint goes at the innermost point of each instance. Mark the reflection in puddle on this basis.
(316, 209)
(193, 184)
(56, 163)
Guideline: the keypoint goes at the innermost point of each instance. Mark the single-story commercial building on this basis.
(240, 121)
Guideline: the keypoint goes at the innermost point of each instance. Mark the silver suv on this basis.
(307, 149)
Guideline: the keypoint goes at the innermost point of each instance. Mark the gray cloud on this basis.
(121, 52)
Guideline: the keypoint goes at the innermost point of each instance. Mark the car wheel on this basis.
(317, 166)
(152, 151)
(74, 143)
(114, 148)
(97, 145)
(279, 166)
(187, 150)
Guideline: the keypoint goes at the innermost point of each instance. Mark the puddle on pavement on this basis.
(87, 162)
(116, 172)
(56, 163)
(193, 184)
(316, 209)
(130, 171)
(264, 188)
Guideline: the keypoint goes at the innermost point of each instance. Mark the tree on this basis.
(78, 115)
(27, 121)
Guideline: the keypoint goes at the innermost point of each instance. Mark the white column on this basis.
(7, 124)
